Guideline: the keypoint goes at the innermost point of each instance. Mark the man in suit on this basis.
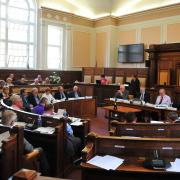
(75, 93)
(33, 97)
(8, 119)
(135, 85)
(60, 94)
(163, 99)
(24, 96)
(122, 93)
(143, 95)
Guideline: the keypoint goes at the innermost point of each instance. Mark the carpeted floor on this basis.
(99, 125)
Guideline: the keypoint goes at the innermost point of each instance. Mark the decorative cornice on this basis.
(162, 12)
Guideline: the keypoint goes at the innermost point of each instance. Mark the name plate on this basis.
(167, 148)
(120, 147)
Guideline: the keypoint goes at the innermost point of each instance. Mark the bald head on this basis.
(162, 92)
(122, 88)
(75, 88)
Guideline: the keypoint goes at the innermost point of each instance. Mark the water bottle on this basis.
(65, 114)
(115, 104)
(39, 121)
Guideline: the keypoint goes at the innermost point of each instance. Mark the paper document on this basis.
(45, 130)
(20, 124)
(157, 122)
(77, 123)
(106, 162)
(175, 166)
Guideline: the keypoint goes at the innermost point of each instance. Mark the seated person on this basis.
(2, 84)
(73, 143)
(130, 118)
(103, 80)
(48, 110)
(75, 93)
(9, 82)
(36, 82)
(39, 78)
(60, 94)
(5, 95)
(22, 81)
(172, 117)
(8, 119)
(17, 102)
(39, 109)
(122, 93)
(46, 81)
(143, 95)
(12, 77)
(33, 97)
(48, 95)
(24, 96)
(163, 99)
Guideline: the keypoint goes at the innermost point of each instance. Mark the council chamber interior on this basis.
(89, 89)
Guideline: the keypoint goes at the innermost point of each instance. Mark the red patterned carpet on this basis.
(99, 125)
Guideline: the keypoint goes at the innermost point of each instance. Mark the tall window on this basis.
(17, 33)
(55, 49)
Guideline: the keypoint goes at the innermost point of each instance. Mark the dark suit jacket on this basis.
(32, 99)
(57, 95)
(135, 87)
(146, 96)
(123, 96)
(72, 94)
(25, 103)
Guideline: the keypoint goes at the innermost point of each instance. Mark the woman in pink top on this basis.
(104, 81)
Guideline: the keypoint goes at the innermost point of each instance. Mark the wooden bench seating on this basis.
(8, 157)
(145, 130)
(53, 144)
(22, 160)
(134, 151)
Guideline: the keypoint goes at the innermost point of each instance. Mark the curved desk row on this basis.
(82, 107)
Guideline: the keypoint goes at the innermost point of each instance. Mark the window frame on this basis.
(28, 43)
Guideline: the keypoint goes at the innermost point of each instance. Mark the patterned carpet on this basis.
(99, 125)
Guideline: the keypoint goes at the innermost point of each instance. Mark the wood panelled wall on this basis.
(165, 64)
(115, 72)
(66, 76)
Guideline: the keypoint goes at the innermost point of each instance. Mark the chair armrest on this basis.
(32, 155)
(88, 152)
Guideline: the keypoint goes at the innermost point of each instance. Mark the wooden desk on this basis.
(41, 88)
(120, 110)
(160, 112)
(83, 108)
(145, 130)
(101, 92)
(134, 151)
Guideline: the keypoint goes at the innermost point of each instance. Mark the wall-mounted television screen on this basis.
(131, 53)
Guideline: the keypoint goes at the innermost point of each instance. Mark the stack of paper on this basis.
(106, 162)
(77, 123)
(175, 166)
(45, 130)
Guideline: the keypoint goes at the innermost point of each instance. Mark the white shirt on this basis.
(49, 97)
(165, 101)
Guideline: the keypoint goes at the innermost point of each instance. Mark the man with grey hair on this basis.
(33, 97)
(17, 102)
(8, 119)
(122, 93)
